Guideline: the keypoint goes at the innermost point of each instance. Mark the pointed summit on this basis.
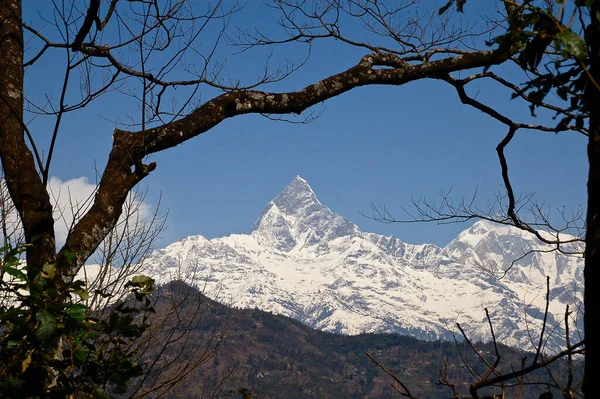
(296, 217)
(296, 196)
(295, 200)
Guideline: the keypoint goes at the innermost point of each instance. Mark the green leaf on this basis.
(572, 44)
(459, 6)
(12, 343)
(83, 294)
(146, 283)
(141, 280)
(14, 382)
(13, 313)
(49, 269)
(82, 355)
(101, 394)
(445, 8)
(69, 256)
(77, 312)
(47, 325)
(16, 273)
(564, 122)
(12, 257)
(562, 92)
(102, 293)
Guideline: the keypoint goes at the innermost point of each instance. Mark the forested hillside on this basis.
(274, 356)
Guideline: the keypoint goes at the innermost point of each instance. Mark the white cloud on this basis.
(72, 198)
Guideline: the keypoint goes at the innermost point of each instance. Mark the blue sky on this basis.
(376, 144)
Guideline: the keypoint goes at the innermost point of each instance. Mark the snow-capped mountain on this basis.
(304, 261)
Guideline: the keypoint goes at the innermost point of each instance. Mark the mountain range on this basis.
(304, 261)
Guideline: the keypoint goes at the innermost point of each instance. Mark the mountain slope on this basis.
(274, 357)
(304, 261)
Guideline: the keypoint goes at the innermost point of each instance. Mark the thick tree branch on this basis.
(591, 273)
(246, 102)
(130, 148)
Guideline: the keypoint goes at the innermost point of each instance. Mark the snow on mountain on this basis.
(303, 261)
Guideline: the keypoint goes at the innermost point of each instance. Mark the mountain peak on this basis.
(297, 198)
(299, 179)
(296, 216)
(297, 195)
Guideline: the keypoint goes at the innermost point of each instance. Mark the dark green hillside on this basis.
(277, 357)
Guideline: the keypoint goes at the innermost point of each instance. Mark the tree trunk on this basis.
(591, 299)
(24, 184)
(591, 320)
(22, 179)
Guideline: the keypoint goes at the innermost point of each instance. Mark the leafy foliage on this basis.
(47, 331)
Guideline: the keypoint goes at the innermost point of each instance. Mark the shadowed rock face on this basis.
(304, 261)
